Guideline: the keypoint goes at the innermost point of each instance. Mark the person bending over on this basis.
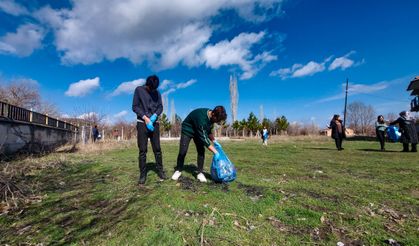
(198, 126)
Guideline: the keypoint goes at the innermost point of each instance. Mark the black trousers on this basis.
(142, 140)
(381, 138)
(338, 141)
(406, 147)
(183, 149)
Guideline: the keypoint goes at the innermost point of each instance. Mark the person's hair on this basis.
(152, 82)
(336, 116)
(95, 126)
(379, 118)
(219, 114)
(403, 113)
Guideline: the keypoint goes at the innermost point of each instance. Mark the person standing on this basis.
(408, 130)
(198, 126)
(338, 131)
(380, 131)
(265, 136)
(147, 104)
(95, 133)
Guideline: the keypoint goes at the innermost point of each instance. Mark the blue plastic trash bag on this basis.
(222, 170)
(393, 133)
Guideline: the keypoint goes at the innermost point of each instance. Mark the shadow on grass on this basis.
(361, 138)
(193, 170)
(378, 150)
(321, 148)
(81, 204)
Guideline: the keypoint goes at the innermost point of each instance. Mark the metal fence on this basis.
(24, 115)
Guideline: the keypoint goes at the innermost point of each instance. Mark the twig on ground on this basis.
(204, 222)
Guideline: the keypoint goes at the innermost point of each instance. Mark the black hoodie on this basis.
(146, 102)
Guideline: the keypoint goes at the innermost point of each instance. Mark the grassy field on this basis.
(294, 192)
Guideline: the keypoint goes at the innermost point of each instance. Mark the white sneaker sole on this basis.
(176, 177)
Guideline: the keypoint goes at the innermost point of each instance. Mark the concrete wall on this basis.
(31, 138)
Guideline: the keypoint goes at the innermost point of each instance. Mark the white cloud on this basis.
(53, 18)
(89, 115)
(165, 84)
(308, 69)
(174, 32)
(174, 87)
(298, 70)
(342, 62)
(127, 87)
(237, 52)
(121, 114)
(359, 88)
(23, 42)
(186, 84)
(13, 8)
(83, 87)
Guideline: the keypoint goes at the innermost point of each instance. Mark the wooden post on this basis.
(46, 119)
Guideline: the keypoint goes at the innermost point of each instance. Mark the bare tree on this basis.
(21, 94)
(391, 117)
(234, 97)
(25, 94)
(361, 117)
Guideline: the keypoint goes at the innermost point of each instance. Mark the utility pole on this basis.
(346, 102)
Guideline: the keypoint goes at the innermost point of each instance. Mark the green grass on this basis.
(293, 192)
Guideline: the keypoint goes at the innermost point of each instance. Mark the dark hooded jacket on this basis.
(407, 129)
(146, 103)
(335, 131)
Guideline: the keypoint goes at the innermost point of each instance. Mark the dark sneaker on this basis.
(162, 175)
(142, 179)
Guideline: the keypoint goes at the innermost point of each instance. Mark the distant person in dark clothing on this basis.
(338, 131)
(147, 104)
(408, 130)
(198, 126)
(380, 131)
(95, 133)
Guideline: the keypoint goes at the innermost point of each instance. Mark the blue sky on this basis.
(290, 56)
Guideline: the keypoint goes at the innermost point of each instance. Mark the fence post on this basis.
(103, 134)
(83, 137)
(122, 133)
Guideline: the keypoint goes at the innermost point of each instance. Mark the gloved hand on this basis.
(217, 156)
(153, 118)
(217, 144)
(150, 126)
